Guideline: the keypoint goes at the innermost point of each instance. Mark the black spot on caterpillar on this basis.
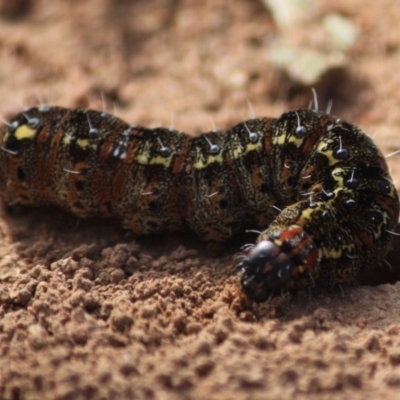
(338, 203)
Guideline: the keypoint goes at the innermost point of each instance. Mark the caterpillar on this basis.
(317, 185)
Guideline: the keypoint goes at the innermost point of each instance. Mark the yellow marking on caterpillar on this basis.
(24, 132)
(330, 253)
(253, 146)
(83, 143)
(296, 141)
(239, 151)
(382, 226)
(393, 191)
(144, 158)
(201, 163)
(338, 174)
(279, 140)
(307, 213)
(282, 139)
(327, 153)
(166, 161)
(67, 139)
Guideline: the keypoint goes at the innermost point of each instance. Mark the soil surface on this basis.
(87, 312)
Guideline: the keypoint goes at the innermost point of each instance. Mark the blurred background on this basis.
(202, 59)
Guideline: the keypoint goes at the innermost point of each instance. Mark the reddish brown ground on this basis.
(85, 312)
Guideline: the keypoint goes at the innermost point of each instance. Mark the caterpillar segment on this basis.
(338, 222)
(328, 179)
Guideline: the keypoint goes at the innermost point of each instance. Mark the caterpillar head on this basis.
(273, 264)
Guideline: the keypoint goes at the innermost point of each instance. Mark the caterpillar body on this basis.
(318, 185)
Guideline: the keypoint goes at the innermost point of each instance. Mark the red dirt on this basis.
(87, 312)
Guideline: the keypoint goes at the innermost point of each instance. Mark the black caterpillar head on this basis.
(272, 264)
